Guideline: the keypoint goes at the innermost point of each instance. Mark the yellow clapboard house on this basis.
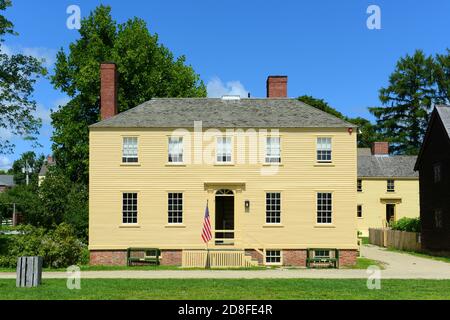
(387, 187)
(278, 176)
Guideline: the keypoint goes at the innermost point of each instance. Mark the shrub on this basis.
(407, 224)
(59, 247)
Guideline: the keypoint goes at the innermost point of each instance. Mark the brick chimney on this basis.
(380, 148)
(50, 159)
(277, 86)
(108, 90)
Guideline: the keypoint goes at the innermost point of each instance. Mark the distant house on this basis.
(6, 182)
(44, 169)
(433, 165)
(387, 187)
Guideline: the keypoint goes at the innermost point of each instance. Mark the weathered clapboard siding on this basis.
(29, 271)
(299, 179)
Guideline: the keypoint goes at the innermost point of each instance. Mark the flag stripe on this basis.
(206, 230)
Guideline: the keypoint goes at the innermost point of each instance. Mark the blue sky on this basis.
(323, 46)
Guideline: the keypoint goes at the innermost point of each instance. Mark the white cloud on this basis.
(41, 53)
(61, 102)
(216, 88)
(43, 113)
(47, 55)
(5, 163)
(5, 49)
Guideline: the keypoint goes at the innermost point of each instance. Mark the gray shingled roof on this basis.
(6, 180)
(387, 166)
(444, 114)
(219, 113)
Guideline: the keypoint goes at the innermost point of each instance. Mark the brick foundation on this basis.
(294, 257)
(171, 257)
(255, 255)
(108, 258)
(347, 257)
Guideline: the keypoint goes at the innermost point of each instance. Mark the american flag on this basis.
(206, 231)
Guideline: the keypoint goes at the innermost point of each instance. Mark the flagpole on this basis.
(207, 248)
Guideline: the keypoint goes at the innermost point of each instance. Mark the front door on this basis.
(224, 217)
(390, 212)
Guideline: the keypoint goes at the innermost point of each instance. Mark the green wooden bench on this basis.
(151, 256)
(318, 258)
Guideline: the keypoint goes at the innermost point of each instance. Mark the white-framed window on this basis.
(324, 149)
(324, 207)
(438, 218)
(224, 149)
(130, 150)
(273, 256)
(273, 150)
(273, 207)
(437, 173)
(129, 207)
(359, 211)
(359, 185)
(175, 207)
(322, 254)
(391, 185)
(175, 150)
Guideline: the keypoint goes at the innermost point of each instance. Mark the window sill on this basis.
(174, 164)
(131, 164)
(225, 164)
(174, 225)
(273, 226)
(274, 164)
(129, 226)
(325, 226)
(324, 164)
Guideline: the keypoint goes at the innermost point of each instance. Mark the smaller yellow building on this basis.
(388, 188)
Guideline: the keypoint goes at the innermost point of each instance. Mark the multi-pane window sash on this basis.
(175, 149)
(324, 149)
(359, 211)
(322, 254)
(324, 207)
(175, 207)
(438, 218)
(390, 186)
(130, 149)
(273, 207)
(273, 154)
(129, 208)
(223, 149)
(273, 256)
(437, 173)
(359, 185)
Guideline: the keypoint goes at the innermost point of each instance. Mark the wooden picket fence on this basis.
(217, 259)
(401, 240)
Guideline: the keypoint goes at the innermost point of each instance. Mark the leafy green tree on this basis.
(407, 102)
(443, 77)
(146, 69)
(322, 105)
(34, 163)
(18, 74)
(27, 202)
(63, 201)
(367, 134)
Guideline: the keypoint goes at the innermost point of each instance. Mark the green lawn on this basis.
(212, 289)
(422, 255)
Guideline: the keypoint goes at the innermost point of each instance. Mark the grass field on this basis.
(213, 289)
